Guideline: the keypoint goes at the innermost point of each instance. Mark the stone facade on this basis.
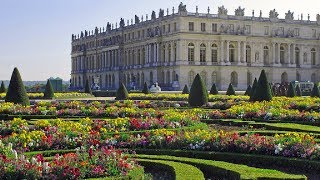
(174, 47)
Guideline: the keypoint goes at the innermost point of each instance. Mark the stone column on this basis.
(227, 53)
(149, 53)
(172, 51)
(222, 52)
(261, 57)
(239, 52)
(155, 52)
(293, 59)
(159, 53)
(289, 54)
(278, 58)
(244, 52)
(273, 53)
(146, 54)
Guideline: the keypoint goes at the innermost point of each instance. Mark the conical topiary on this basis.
(214, 90)
(87, 88)
(291, 91)
(298, 91)
(263, 90)
(2, 88)
(230, 90)
(198, 95)
(185, 90)
(16, 91)
(145, 89)
(315, 91)
(48, 93)
(122, 93)
(254, 87)
(248, 91)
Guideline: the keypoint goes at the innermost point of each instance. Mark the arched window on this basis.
(298, 78)
(203, 75)
(214, 53)
(202, 53)
(248, 54)
(190, 52)
(169, 53)
(266, 54)
(151, 77)
(214, 77)
(284, 77)
(139, 57)
(143, 56)
(313, 78)
(297, 55)
(234, 79)
(282, 61)
(249, 78)
(313, 56)
(191, 77)
(162, 78)
(168, 78)
(231, 53)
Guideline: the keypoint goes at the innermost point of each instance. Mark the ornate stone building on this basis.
(172, 48)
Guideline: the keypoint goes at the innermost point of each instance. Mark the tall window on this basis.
(282, 55)
(169, 28)
(203, 27)
(202, 53)
(314, 33)
(296, 32)
(143, 56)
(214, 53)
(190, 52)
(169, 53)
(175, 27)
(168, 78)
(248, 29)
(191, 26)
(266, 30)
(313, 56)
(214, 27)
(266, 54)
(297, 55)
(282, 31)
(139, 57)
(231, 53)
(248, 54)
(231, 27)
(175, 52)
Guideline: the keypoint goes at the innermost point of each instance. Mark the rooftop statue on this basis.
(318, 19)
(182, 8)
(239, 11)
(121, 22)
(161, 13)
(108, 27)
(85, 33)
(136, 19)
(222, 10)
(273, 14)
(153, 15)
(289, 15)
(96, 31)
(81, 34)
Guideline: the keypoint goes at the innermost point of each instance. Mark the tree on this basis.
(214, 90)
(2, 88)
(298, 91)
(248, 91)
(315, 91)
(16, 91)
(145, 89)
(48, 93)
(291, 91)
(122, 92)
(230, 90)
(254, 87)
(263, 90)
(185, 90)
(87, 88)
(198, 95)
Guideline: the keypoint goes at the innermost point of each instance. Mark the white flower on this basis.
(278, 149)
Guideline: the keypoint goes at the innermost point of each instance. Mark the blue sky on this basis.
(35, 35)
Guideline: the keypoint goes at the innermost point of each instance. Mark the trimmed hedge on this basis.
(145, 89)
(176, 168)
(218, 168)
(87, 88)
(198, 95)
(248, 91)
(291, 91)
(230, 90)
(122, 93)
(214, 90)
(48, 93)
(2, 88)
(185, 90)
(262, 92)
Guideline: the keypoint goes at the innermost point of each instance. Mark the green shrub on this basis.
(185, 90)
(214, 89)
(263, 90)
(291, 91)
(198, 93)
(122, 93)
(145, 89)
(230, 90)
(253, 89)
(315, 91)
(16, 91)
(2, 88)
(87, 88)
(48, 93)
(248, 91)
(298, 90)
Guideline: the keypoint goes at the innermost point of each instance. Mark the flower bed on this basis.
(64, 95)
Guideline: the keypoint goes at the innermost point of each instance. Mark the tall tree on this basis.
(48, 93)
(16, 90)
(198, 95)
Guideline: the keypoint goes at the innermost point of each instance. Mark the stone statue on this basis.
(222, 11)
(121, 23)
(72, 37)
(252, 13)
(81, 34)
(182, 8)
(257, 56)
(290, 33)
(155, 88)
(157, 31)
(308, 17)
(161, 13)
(96, 31)
(239, 11)
(153, 15)
(260, 14)
(289, 15)
(273, 14)
(208, 10)
(136, 19)
(318, 18)
(305, 57)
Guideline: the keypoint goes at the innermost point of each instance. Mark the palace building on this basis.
(172, 47)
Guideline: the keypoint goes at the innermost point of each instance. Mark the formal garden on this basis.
(195, 134)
